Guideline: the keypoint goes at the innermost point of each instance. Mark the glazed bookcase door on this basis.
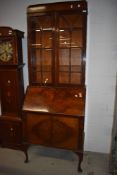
(41, 49)
(57, 48)
(70, 48)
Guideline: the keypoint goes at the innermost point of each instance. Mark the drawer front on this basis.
(10, 132)
(54, 130)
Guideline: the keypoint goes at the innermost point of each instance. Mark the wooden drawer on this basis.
(54, 130)
(10, 131)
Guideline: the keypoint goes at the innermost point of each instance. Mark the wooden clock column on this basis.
(11, 89)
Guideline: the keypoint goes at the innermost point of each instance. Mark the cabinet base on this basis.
(79, 154)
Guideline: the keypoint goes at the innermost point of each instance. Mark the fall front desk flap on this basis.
(55, 100)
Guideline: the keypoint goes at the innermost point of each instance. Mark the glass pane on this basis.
(70, 65)
(46, 66)
(64, 38)
(47, 39)
(36, 39)
(76, 57)
(36, 76)
(42, 39)
(41, 65)
(64, 57)
(76, 39)
(47, 78)
(41, 77)
(75, 68)
(66, 78)
(44, 22)
(36, 58)
(70, 38)
(46, 57)
(41, 42)
(75, 78)
(64, 68)
(40, 22)
(70, 20)
(63, 77)
(41, 31)
(76, 60)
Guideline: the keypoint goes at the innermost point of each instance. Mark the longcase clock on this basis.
(11, 71)
(11, 89)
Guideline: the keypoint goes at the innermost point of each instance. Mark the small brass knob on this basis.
(80, 95)
(9, 81)
(11, 129)
(78, 6)
(76, 95)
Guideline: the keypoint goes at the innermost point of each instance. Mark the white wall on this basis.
(101, 63)
(101, 73)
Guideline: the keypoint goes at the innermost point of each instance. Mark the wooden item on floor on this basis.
(54, 105)
(11, 89)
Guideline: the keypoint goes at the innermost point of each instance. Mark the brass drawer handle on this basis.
(11, 129)
(78, 6)
(12, 132)
(9, 81)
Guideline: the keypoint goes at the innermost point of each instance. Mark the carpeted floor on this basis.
(44, 161)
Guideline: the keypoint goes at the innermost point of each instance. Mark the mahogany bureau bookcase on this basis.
(54, 105)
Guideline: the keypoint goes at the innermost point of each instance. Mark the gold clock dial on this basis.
(6, 51)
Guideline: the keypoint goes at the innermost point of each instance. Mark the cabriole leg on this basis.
(80, 156)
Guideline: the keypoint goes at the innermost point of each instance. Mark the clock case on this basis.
(11, 79)
(7, 34)
(12, 93)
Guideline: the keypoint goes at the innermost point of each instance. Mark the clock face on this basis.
(6, 51)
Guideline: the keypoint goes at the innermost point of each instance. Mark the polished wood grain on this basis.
(54, 130)
(54, 105)
(54, 117)
(58, 6)
(54, 100)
